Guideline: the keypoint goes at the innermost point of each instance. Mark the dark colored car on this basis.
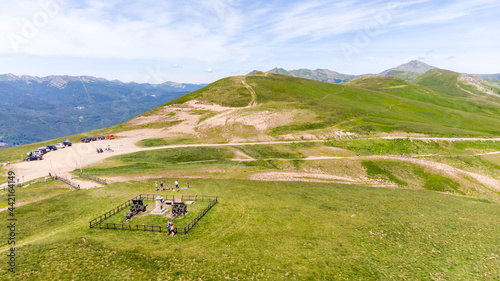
(66, 142)
(86, 140)
(93, 138)
(34, 156)
(101, 137)
(52, 147)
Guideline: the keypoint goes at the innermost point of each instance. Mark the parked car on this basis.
(34, 157)
(110, 137)
(93, 138)
(66, 142)
(44, 149)
(60, 145)
(86, 140)
(101, 137)
(51, 147)
(38, 151)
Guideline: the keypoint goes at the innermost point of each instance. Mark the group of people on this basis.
(52, 177)
(172, 230)
(99, 150)
(163, 188)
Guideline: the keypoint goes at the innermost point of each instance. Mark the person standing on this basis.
(177, 184)
(156, 185)
(173, 229)
(161, 186)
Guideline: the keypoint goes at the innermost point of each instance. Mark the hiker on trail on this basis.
(156, 185)
(188, 185)
(161, 185)
(177, 184)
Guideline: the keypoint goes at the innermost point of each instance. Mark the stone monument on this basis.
(159, 210)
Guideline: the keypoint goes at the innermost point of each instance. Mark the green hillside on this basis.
(368, 105)
(406, 76)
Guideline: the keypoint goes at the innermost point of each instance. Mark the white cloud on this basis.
(233, 34)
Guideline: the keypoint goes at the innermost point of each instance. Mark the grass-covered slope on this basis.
(227, 92)
(266, 231)
(452, 84)
(435, 105)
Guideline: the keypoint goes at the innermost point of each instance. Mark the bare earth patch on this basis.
(477, 83)
(310, 177)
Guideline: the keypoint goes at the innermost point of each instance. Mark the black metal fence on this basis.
(96, 179)
(99, 221)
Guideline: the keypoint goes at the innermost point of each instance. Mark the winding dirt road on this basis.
(80, 155)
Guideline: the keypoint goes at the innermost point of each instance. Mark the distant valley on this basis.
(41, 108)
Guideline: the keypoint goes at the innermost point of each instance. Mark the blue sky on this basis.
(202, 41)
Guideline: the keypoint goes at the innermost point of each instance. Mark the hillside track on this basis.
(80, 155)
(253, 102)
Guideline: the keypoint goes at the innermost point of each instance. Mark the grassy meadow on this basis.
(266, 230)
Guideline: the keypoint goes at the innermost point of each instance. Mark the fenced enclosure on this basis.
(99, 221)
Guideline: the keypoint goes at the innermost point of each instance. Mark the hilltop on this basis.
(414, 66)
(273, 107)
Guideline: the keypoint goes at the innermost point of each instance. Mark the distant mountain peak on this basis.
(414, 66)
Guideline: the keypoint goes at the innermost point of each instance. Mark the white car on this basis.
(60, 145)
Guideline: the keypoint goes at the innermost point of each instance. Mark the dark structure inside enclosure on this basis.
(136, 208)
(99, 221)
(178, 208)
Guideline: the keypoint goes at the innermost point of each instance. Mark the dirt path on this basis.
(436, 138)
(300, 176)
(63, 161)
(252, 92)
(28, 202)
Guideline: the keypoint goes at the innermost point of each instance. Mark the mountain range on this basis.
(41, 108)
(408, 72)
